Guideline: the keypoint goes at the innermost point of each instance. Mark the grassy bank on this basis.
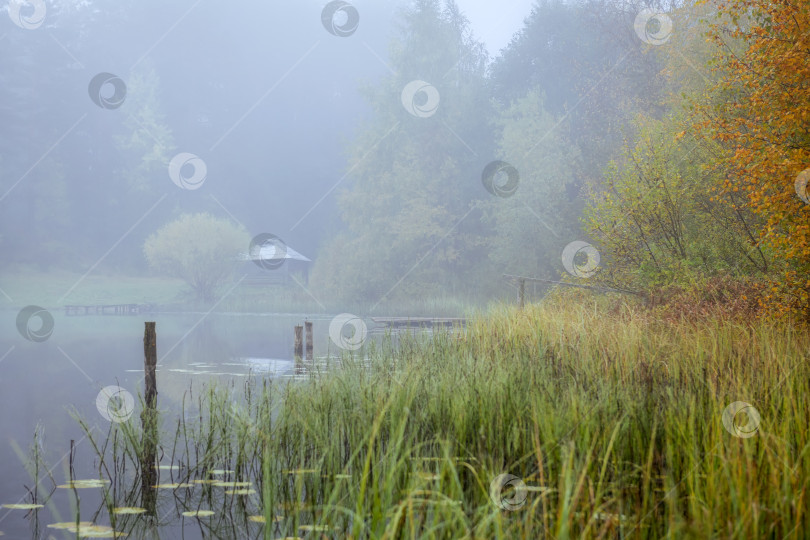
(611, 422)
(54, 290)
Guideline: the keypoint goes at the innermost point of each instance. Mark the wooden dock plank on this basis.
(419, 321)
(108, 309)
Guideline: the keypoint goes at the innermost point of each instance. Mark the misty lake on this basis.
(42, 383)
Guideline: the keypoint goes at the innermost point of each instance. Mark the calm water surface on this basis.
(42, 383)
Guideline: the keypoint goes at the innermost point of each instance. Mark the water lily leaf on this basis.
(313, 528)
(260, 519)
(198, 513)
(86, 529)
(129, 510)
(301, 471)
(84, 484)
(219, 483)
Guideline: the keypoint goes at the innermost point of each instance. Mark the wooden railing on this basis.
(521, 281)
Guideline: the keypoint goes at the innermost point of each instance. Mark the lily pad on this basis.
(198, 513)
(240, 492)
(260, 519)
(129, 510)
(302, 471)
(84, 484)
(86, 529)
(231, 484)
(313, 528)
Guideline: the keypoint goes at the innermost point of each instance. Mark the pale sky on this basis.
(494, 23)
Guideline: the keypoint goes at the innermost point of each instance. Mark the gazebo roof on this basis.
(268, 252)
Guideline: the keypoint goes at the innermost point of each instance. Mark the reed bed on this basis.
(610, 421)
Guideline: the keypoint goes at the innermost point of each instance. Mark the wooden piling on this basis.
(299, 342)
(150, 364)
(309, 341)
(521, 292)
(149, 421)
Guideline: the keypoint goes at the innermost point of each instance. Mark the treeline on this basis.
(74, 175)
(671, 138)
(82, 180)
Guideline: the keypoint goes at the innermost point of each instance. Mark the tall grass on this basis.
(611, 419)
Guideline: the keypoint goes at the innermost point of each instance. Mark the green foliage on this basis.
(148, 143)
(613, 418)
(198, 248)
(659, 216)
(417, 219)
(542, 216)
(592, 69)
(410, 226)
(656, 219)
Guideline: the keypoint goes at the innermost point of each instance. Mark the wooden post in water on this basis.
(521, 292)
(149, 421)
(309, 341)
(299, 342)
(150, 365)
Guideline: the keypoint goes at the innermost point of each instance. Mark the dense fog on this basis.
(404, 268)
(365, 138)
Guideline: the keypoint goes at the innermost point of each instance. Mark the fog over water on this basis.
(231, 170)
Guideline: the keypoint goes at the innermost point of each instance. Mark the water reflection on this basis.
(58, 382)
(50, 384)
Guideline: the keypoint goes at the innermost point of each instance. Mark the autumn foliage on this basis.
(759, 113)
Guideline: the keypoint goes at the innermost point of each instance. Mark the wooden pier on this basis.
(109, 309)
(418, 322)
